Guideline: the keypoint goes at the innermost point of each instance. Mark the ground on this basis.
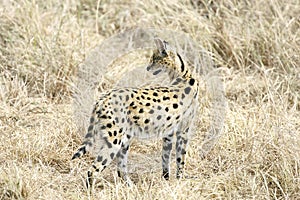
(256, 47)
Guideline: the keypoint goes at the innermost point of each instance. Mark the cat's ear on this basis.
(161, 46)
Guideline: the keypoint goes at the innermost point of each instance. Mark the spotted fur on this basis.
(122, 114)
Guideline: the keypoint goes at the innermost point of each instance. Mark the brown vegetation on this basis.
(256, 45)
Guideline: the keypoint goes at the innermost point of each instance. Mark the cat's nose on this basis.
(149, 67)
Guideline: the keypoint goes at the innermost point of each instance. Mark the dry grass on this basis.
(256, 44)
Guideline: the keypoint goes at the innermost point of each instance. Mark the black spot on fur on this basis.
(185, 141)
(98, 112)
(91, 127)
(158, 117)
(177, 81)
(175, 105)
(103, 127)
(115, 141)
(195, 95)
(165, 174)
(108, 125)
(88, 135)
(112, 155)
(187, 90)
(103, 116)
(167, 147)
(104, 162)
(165, 139)
(166, 98)
(192, 81)
(99, 158)
(168, 118)
(107, 143)
(92, 119)
(78, 154)
(167, 109)
(157, 72)
(147, 121)
(119, 155)
(155, 94)
(141, 110)
(148, 104)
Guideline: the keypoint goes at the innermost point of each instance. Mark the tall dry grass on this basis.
(256, 46)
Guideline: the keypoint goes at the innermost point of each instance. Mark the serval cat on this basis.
(119, 115)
